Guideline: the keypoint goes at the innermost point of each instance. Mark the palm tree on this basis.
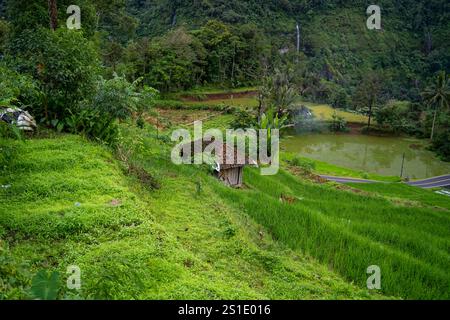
(437, 95)
(53, 13)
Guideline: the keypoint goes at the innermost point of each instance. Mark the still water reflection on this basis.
(381, 155)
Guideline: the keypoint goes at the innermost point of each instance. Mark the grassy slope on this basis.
(177, 242)
(403, 191)
(170, 243)
(323, 168)
(325, 112)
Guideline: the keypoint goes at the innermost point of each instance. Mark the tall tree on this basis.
(53, 13)
(437, 95)
(368, 93)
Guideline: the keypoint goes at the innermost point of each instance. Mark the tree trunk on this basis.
(53, 13)
(370, 117)
(434, 123)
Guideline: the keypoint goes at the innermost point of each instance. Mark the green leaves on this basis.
(118, 98)
(270, 120)
(63, 63)
(338, 123)
(45, 285)
(93, 124)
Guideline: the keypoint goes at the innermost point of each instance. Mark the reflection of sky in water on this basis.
(382, 155)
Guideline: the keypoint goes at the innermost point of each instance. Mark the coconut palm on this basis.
(437, 95)
(277, 90)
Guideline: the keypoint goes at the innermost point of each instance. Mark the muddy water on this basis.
(380, 155)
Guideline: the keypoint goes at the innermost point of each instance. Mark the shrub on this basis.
(17, 89)
(338, 123)
(9, 131)
(114, 99)
(243, 120)
(441, 145)
(93, 124)
(340, 99)
(14, 275)
(305, 164)
(396, 116)
(63, 63)
(119, 98)
(8, 154)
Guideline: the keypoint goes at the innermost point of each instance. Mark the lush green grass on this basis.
(242, 102)
(404, 191)
(194, 238)
(71, 203)
(325, 112)
(324, 168)
(349, 232)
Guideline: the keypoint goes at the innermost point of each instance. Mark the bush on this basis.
(10, 131)
(94, 125)
(340, 99)
(441, 145)
(8, 154)
(14, 275)
(17, 90)
(338, 123)
(119, 98)
(63, 63)
(114, 99)
(243, 120)
(305, 164)
(397, 116)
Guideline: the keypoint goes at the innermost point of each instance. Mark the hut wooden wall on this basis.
(232, 176)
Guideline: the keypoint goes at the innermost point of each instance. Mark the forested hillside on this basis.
(335, 42)
(181, 44)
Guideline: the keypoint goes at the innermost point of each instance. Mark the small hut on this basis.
(230, 171)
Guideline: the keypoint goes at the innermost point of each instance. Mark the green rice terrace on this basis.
(175, 232)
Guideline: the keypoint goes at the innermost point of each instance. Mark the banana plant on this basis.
(270, 121)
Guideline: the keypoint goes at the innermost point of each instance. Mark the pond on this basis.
(372, 154)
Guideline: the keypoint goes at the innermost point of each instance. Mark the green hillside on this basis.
(71, 203)
(334, 38)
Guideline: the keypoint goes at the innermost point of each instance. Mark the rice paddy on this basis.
(349, 232)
